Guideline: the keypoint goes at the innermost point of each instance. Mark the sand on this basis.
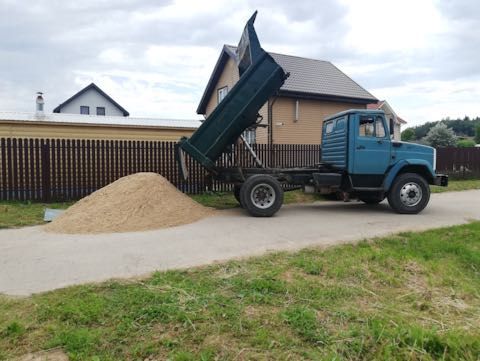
(138, 202)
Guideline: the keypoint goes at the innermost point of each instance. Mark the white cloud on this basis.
(380, 26)
(424, 101)
(155, 57)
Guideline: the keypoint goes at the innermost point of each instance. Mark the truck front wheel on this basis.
(409, 193)
(261, 195)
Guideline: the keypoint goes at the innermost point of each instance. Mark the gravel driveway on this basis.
(32, 260)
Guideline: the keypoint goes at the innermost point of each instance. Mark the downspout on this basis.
(271, 102)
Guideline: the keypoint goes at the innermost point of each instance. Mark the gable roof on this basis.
(383, 103)
(97, 89)
(309, 78)
(376, 105)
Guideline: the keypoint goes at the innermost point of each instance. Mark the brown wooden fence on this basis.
(459, 162)
(69, 169)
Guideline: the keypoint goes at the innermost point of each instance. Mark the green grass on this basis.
(20, 214)
(226, 200)
(218, 200)
(413, 296)
(458, 185)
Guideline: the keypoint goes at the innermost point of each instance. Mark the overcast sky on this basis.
(155, 57)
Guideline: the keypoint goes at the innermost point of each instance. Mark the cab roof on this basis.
(353, 111)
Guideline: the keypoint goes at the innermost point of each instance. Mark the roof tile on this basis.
(317, 77)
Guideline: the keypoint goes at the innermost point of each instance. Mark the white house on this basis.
(91, 100)
(390, 114)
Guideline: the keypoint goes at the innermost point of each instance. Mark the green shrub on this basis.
(465, 143)
(477, 134)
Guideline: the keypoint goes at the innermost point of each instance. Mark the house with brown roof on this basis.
(314, 90)
(390, 115)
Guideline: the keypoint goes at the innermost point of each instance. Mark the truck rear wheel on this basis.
(261, 195)
(409, 193)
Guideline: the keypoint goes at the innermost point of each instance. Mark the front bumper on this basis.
(441, 180)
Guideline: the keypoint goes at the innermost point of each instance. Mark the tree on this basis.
(477, 134)
(462, 127)
(465, 143)
(440, 136)
(408, 135)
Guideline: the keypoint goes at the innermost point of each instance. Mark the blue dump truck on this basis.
(358, 154)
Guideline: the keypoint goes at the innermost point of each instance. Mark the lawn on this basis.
(458, 185)
(413, 296)
(20, 214)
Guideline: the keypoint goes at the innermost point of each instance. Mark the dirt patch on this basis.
(52, 355)
(137, 202)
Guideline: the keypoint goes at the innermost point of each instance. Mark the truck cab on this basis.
(359, 144)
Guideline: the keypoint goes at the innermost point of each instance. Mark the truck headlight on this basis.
(435, 159)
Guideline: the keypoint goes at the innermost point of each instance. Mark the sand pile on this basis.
(137, 202)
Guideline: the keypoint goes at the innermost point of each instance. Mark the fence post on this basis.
(46, 181)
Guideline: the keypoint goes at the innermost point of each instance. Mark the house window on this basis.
(100, 110)
(250, 136)
(84, 109)
(221, 94)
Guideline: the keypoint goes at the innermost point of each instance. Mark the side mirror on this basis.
(392, 126)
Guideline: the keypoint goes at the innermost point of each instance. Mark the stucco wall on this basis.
(92, 99)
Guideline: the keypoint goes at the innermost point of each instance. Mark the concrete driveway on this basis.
(32, 260)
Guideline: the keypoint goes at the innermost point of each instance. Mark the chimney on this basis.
(39, 105)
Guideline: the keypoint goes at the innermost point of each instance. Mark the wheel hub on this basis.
(411, 194)
(263, 195)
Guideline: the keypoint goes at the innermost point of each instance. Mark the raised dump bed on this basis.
(260, 78)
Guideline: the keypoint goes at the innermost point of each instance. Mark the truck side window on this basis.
(340, 124)
(329, 127)
(366, 128)
(379, 128)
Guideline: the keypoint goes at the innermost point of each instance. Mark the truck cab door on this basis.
(372, 145)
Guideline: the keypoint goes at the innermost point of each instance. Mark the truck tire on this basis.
(409, 193)
(371, 199)
(236, 193)
(261, 195)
